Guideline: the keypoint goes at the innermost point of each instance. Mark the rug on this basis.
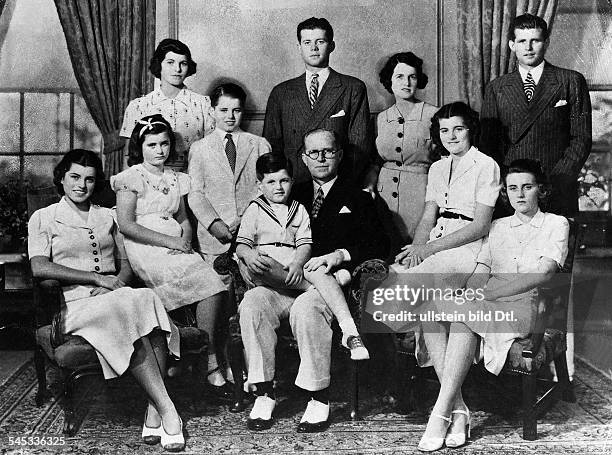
(112, 414)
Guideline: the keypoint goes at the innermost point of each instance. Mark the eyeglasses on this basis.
(327, 154)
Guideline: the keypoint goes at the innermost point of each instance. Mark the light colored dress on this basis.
(404, 145)
(188, 114)
(110, 322)
(512, 248)
(475, 180)
(178, 279)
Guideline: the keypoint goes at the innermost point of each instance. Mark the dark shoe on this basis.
(223, 392)
(315, 419)
(259, 424)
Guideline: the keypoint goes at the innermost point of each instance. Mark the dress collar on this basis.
(416, 113)
(66, 214)
(536, 221)
(182, 96)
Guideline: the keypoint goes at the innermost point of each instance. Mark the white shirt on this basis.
(536, 72)
(222, 135)
(323, 75)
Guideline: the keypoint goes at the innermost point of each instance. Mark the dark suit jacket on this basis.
(554, 128)
(358, 229)
(289, 117)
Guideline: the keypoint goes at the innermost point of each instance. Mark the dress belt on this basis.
(453, 215)
(414, 168)
(276, 244)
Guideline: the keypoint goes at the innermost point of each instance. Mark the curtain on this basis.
(110, 43)
(483, 32)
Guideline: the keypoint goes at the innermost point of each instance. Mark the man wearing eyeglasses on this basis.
(319, 98)
(345, 232)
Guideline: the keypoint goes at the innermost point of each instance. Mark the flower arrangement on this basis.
(13, 213)
(593, 183)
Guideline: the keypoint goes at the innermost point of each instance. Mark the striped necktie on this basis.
(529, 86)
(230, 151)
(318, 202)
(313, 93)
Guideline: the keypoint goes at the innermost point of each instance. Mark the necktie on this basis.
(318, 202)
(529, 86)
(230, 151)
(314, 90)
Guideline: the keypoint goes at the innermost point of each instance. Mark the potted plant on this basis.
(13, 215)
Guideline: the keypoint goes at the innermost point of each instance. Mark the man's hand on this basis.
(234, 226)
(256, 262)
(221, 231)
(413, 255)
(329, 261)
(295, 273)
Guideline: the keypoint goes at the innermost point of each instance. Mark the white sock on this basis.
(348, 328)
(214, 376)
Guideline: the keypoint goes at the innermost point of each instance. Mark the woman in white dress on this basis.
(521, 252)
(151, 214)
(187, 112)
(77, 243)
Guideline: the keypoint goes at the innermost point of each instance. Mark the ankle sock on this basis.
(264, 388)
(348, 328)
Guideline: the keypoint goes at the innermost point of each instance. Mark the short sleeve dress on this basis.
(475, 180)
(188, 114)
(110, 322)
(178, 279)
(404, 146)
(514, 247)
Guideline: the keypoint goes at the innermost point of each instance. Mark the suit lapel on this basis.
(332, 90)
(244, 148)
(547, 88)
(299, 99)
(515, 96)
(218, 154)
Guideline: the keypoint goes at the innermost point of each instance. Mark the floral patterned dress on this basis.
(178, 279)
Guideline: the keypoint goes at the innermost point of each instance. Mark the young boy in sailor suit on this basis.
(274, 241)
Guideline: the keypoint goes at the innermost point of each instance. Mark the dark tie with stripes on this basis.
(313, 93)
(318, 202)
(529, 86)
(230, 151)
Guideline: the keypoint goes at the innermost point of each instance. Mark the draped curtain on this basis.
(110, 43)
(483, 32)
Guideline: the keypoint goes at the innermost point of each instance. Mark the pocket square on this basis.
(339, 114)
(344, 209)
(561, 103)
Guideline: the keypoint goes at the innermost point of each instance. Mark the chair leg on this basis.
(530, 423)
(41, 375)
(355, 391)
(70, 427)
(236, 361)
(567, 389)
(409, 382)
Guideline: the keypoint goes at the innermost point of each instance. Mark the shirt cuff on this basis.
(345, 254)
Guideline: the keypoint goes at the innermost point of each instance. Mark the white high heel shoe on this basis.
(173, 442)
(151, 435)
(459, 439)
(431, 444)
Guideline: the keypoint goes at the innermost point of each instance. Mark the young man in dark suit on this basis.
(319, 98)
(345, 232)
(541, 112)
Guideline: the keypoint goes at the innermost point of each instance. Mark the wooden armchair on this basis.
(226, 265)
(528, 358)
(74, 357)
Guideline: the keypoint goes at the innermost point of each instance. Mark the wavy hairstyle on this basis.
(456, 109)
(171, 45)
(82, 157)
(409, 59)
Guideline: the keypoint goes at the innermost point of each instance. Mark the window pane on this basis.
(46, 122)
(9, 123)
(38, 169)
(86, 133)
(9, 168)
